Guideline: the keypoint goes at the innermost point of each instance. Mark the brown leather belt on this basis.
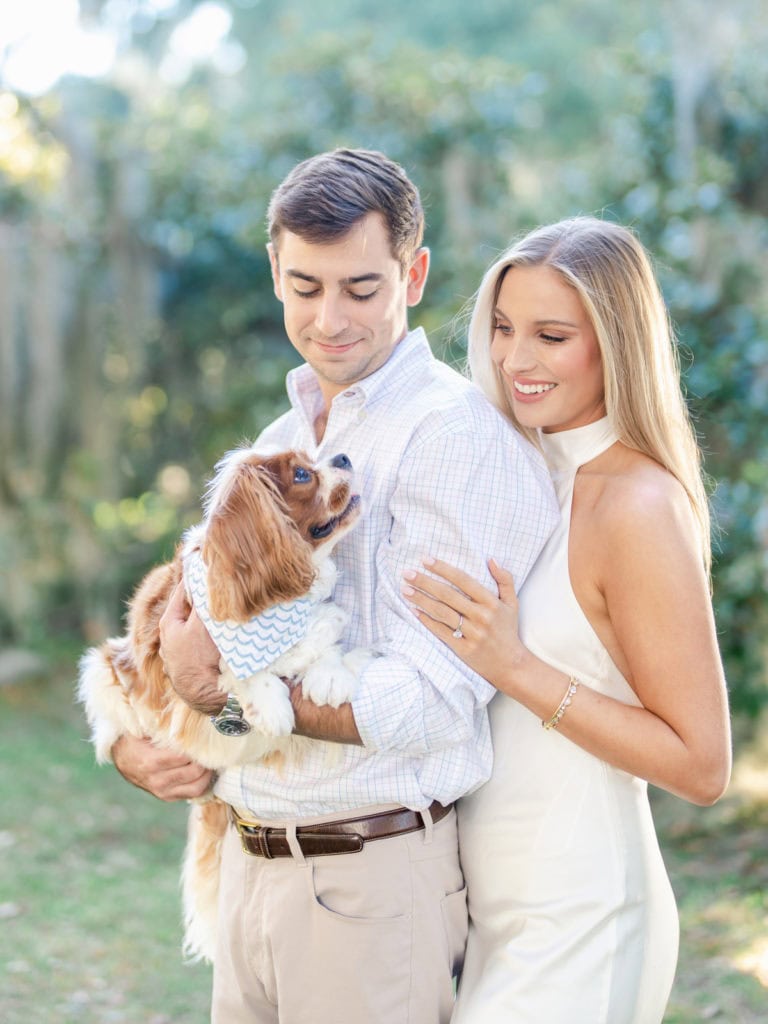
(332, 837)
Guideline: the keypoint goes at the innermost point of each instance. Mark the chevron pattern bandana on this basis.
(247, 647)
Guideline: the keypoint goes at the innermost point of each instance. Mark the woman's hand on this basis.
(478, 625)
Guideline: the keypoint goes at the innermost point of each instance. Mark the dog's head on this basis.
(269, 519)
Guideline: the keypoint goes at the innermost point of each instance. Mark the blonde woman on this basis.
(607, 665)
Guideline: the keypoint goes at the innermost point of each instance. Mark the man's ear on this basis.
(274, 262)
(417, 276)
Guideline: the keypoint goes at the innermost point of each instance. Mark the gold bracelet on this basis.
(554, 721)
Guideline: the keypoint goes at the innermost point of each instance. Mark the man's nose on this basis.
(331, 319)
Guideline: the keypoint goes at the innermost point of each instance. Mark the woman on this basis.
(612, 647)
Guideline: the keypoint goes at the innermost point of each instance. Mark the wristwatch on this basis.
(230, 720)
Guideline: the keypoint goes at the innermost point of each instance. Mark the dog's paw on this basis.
(329, 681)
(267, 705)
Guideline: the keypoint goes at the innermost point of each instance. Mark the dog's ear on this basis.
(255, 555)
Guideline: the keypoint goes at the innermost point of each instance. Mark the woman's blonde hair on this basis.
(612, 274)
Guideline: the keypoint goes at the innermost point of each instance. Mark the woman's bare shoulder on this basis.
(631, 494)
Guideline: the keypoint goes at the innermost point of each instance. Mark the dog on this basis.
(259, 560)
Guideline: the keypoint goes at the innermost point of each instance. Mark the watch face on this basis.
(234, 726)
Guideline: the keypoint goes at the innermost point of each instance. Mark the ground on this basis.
(89, 902)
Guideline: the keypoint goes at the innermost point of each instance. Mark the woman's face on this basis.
(547, 351)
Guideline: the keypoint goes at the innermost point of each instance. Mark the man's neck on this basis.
(330, 390)
(321, 422)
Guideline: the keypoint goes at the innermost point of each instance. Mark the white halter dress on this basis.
(572, 917)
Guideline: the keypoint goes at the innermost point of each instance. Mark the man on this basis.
(374, 935)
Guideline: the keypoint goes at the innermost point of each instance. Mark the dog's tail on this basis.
(208, 820)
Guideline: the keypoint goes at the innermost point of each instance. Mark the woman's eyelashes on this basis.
(507, 330)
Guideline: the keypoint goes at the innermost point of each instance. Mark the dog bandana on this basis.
(247, 647)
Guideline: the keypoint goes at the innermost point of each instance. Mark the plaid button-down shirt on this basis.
(440, 473)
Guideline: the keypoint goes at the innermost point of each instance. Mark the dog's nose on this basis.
(341, 462)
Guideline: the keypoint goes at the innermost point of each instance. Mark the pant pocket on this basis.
(361, 953)
(456, 924)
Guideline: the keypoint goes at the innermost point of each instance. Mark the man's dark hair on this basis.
(325, 196)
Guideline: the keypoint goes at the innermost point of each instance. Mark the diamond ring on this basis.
(457, 632)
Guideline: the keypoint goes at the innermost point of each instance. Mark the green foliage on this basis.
(710, 246)
(154, 197)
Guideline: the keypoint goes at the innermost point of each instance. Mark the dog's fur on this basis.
(271, 522)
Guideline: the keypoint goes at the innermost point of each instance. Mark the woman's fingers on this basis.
(505, 581)
(449, 601)
(437, 591)
(440, 610)
(445, 631)
(457, 578)
(460, 592)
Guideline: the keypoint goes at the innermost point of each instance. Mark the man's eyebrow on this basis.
(346, 281)
(302, 277)
(361, 278)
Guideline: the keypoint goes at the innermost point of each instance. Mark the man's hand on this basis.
(190, 657)
(166, 775)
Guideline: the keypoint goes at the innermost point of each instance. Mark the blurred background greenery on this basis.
(139, 336)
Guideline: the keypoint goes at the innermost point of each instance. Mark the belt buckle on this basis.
(256, 831)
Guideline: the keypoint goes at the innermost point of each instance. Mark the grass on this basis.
(89, 902)
(88, 880)
(717, 861)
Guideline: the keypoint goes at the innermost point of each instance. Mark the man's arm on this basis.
(190, 657)
(491, 503)
(164, 774)
(336, 725)
(191, 662)
(464, 493)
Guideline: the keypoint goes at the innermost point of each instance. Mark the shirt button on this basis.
(362, 415)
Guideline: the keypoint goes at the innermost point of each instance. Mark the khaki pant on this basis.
(373, 937)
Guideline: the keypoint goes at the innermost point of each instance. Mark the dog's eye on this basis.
(301, 475)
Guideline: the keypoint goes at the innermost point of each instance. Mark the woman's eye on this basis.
(362, 298)
(305, 295)
(301, 475)
(552, 337)
(502, 328)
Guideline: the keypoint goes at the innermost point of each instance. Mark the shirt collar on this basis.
(304, 390)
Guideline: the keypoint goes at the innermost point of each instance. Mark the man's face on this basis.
(345, 302)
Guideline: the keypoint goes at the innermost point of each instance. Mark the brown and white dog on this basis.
(271, 521)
